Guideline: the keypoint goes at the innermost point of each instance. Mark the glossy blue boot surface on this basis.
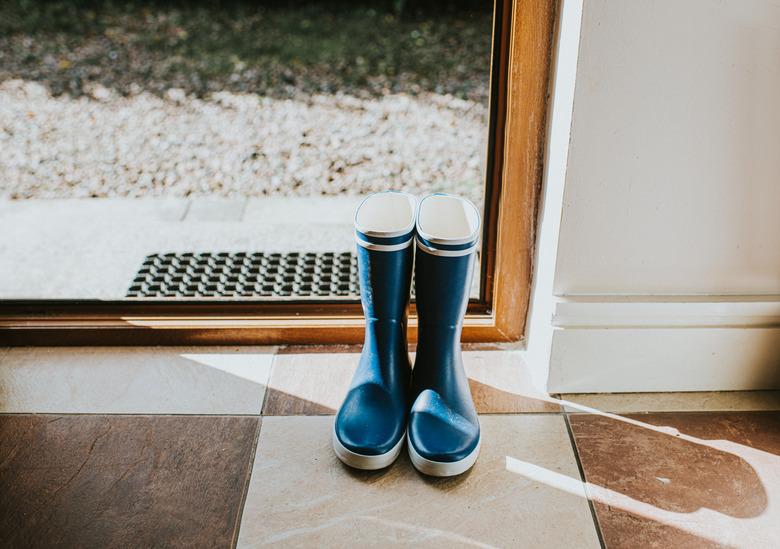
(371, 423)
(443, 432)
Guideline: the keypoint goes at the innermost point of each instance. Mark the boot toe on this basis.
(438, 433)
(370, 422)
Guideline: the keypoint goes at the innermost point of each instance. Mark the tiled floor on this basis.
(213, 447)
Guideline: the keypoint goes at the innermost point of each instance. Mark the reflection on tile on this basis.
(145, 380)
(626, 403)
(316, 383)
(501, 384)
(300, 495)
(122, 481)
(683, 479)
(310, 384)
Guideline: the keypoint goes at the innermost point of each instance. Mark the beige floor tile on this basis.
(309, 384)
(501, 383)
(625, 403)
(134, 380)
(316, 383)
(300, 495)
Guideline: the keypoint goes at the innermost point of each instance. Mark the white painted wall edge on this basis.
(613, 343)
(665, 312)
(539, 329)
(612, 360)
(605, 344)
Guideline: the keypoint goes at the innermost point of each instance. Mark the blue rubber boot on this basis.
(443, 428)
(371, 423)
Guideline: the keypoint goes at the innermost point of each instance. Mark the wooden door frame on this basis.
(521, 70)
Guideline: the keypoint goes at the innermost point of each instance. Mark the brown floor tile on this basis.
(315, 384)
(683, 479)
(122, 481)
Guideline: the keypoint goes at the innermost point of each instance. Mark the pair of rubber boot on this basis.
(430, 406)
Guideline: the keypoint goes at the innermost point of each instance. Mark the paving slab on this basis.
(216, 209)
(77, 249)
(329, 210)
(93, 248)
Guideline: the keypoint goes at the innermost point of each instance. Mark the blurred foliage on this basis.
(270, 48)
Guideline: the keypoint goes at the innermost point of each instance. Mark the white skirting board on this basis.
(604, 344)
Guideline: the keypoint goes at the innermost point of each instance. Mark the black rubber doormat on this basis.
(244, 274)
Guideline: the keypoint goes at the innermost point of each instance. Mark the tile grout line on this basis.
(253, 455)
(581, 470)
(268, 381)
(228, 414)
(186, 210)
(247, 484)
(130, 414)
(244, 205)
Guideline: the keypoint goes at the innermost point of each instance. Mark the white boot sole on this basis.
(366, 463)
(442, 468)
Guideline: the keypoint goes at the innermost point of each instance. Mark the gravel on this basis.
(232, 144)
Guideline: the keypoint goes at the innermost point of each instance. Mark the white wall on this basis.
(673, 184)
(672, 198)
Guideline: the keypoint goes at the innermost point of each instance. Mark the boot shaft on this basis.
(442, 288)
(385, 279)
(442, 285)
(384, 230)
(447, 235)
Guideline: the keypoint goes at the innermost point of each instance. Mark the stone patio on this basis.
(92, 248)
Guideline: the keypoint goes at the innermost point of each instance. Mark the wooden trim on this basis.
(528, 67)
(523, 38)
(226, 323)
(498, 71)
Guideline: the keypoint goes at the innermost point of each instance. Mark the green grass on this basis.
(245, 46)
